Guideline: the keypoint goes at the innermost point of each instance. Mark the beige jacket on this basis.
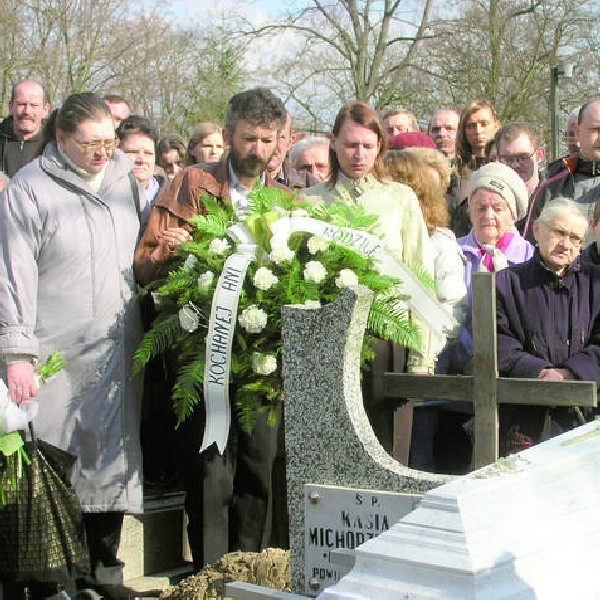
(401, 227)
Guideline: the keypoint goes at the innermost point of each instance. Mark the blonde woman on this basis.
(420, 169)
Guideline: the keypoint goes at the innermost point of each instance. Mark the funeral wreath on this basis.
(219, 308)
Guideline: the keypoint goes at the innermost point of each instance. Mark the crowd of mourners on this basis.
(96, 204)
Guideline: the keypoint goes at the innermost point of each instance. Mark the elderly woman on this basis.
(497, 198)
(548, 320)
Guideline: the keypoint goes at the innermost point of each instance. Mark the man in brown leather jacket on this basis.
(228, 496)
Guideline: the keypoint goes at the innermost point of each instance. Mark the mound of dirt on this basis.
(269, 568)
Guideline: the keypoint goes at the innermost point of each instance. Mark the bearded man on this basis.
(228, 497)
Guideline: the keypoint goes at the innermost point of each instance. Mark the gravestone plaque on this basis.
(337, 517)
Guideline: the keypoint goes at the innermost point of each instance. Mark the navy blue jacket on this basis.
(545, 321)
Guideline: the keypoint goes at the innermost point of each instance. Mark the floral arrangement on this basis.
(11, 441)
(302, 269)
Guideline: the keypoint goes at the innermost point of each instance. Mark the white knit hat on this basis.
(501, 179)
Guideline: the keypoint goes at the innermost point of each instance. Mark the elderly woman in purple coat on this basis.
(497, 198)
(548, 323)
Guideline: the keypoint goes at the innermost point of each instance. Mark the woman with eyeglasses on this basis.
(69, 222)
(548, 323)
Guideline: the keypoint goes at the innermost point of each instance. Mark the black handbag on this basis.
(42, 535)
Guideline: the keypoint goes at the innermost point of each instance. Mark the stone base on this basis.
(153, 542)
(526, 527)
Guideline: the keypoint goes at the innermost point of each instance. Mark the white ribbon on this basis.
(223, 314)
(421, 300)
(225, 303)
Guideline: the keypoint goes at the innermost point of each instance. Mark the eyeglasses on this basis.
(562, 234)
(97, 145)
(519, 159)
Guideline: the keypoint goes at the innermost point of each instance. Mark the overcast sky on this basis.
(259, 9)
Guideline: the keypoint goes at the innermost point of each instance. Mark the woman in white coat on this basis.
(69, 222)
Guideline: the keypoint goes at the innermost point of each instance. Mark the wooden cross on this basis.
(484, 389)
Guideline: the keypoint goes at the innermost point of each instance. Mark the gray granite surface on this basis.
(328, 436)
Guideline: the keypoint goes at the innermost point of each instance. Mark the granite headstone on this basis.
(329, 439)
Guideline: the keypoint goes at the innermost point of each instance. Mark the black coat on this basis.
(15, 153)
(545, 321)
(548, 321)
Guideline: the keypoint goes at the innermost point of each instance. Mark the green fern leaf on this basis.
(389, 320)
(187, 390)
(263, 199)
(247, 409)
(165, 333)
(423, 275)
(216, 220)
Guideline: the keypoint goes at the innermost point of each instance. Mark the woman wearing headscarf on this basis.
(497, 198)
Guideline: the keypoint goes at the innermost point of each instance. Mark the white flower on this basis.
(312, 304)
(189, 263)
(205, 281)
(315, 271)
(345, 278)
(317, 244)
(188, 318)
(264, 278)
(218, 246)
(299, 212)
(280, 251)
(253, 319)
(263, 364)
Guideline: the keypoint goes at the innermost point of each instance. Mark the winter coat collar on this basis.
(576, 163)
(545, 274)
(55, 166)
